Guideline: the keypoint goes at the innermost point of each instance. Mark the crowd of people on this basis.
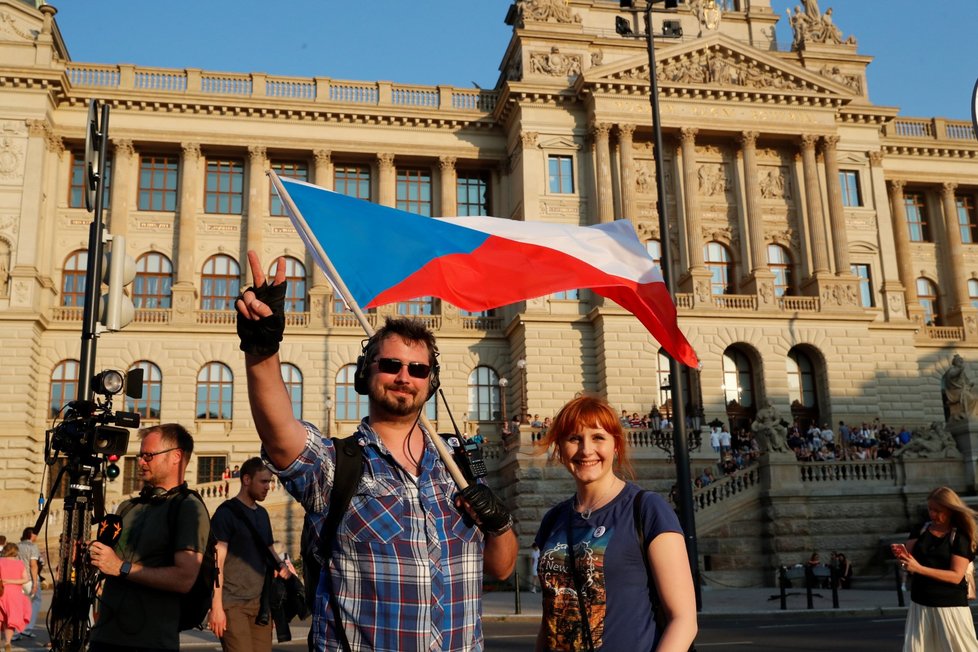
(866, 441)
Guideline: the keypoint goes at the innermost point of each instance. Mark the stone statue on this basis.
(959, 393)
(934, 443)
(814, 27)
(772, 436)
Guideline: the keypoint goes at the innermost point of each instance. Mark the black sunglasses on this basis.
(393, 366)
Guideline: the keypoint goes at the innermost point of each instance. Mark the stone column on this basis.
(813, 204)
(257, 205)
(691, 202)
(449, 186)
(602, 164)
(629, 205)
(957, 292)
(184, 291)
(761, 277)
(901, 235)
(121, 181)
(387, 180)
(837, 217)
(887, 278)
(323, 170)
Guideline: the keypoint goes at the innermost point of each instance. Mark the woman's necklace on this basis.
(586, 514)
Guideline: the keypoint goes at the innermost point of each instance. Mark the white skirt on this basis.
(939, 629)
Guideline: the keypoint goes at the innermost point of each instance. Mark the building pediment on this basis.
(18, 25)
(718, 65)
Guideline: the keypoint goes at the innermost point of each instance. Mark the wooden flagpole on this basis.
(337, 282)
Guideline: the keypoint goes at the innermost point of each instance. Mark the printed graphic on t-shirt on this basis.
(563, 625)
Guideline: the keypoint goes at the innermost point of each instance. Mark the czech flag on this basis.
(384, 255)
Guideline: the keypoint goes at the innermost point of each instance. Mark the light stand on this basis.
(679, 444)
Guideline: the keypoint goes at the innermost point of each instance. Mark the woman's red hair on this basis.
(585, 412)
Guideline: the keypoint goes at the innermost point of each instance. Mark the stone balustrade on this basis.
(726, 487)
(861, 471)
(316, 90)
(929, 128)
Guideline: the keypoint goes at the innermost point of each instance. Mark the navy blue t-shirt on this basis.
(618, 592)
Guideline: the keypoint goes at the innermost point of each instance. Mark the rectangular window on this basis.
(566, 295)
(862, 272)
(473, 194)
(131, 481)
(352, 180)
(849, 181)
(291, 170)
(224, 189)
(561, 174)
(967, 219)
(210, 468)
(77, 184)
(418, 307)
(414, 191)
(158, 183)
(917, 217)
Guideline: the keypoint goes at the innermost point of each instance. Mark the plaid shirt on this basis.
(406, 570)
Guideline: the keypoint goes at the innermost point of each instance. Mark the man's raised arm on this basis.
(261, 324)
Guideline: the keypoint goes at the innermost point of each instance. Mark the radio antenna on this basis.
(449, 410)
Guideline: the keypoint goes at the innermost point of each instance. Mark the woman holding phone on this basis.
(613, 566)
(937, 555)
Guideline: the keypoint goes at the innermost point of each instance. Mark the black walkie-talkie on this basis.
(467, 453)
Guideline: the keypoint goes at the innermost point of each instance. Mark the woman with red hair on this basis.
(613, 566)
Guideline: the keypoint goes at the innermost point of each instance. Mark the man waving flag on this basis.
(384, 255)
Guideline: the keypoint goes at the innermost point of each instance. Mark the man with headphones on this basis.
(407, 560)
(158, 554)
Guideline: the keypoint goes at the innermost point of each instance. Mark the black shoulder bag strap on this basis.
(347, 473)
(578, 584)
(658, 612)
(238, 510)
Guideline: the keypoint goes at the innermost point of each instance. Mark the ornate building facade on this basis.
(825, 248)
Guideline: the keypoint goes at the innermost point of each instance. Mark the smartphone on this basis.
(902, 548)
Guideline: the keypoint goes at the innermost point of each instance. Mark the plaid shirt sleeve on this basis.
(309, 478)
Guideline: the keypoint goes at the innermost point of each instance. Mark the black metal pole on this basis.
(93, 275)
(680, 452)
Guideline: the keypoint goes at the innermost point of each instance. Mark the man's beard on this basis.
(400, 405)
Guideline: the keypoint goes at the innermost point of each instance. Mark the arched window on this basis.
(929, 301)
(717, 260)
(738, 378)
(64, 385)
(215, 392)
(350, 406)
(801, 379)
(654, 248)
(665, 404)
(484, 394)
(292, 378)
(780, 261)
(73, 280)
(148, 407)
(295, 276)
(220, 283)
(973, 292)
(153, 283)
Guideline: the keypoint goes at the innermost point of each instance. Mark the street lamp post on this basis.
(329, 415)
(680, 451)
(502, 399)
(524, 408)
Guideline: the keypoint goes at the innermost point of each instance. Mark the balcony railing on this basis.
(216, 317)
(482, 323)
(735, 301)
(799, 304)
(883, 471)
(930, 128)
(944, 333)
(317, 90)
(152, 316)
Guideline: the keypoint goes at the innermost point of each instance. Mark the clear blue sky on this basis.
(923, 64)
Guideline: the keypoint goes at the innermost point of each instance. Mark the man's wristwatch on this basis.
(124, 569)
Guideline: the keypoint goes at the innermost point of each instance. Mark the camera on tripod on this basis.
(91, 427)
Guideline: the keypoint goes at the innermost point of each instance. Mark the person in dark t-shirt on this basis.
(601, 578)
(939, 555)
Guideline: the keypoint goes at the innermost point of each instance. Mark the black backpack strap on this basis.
(347, 473)
(657, 611)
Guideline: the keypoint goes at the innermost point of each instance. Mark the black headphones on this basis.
(361, 378)
(156, 495)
